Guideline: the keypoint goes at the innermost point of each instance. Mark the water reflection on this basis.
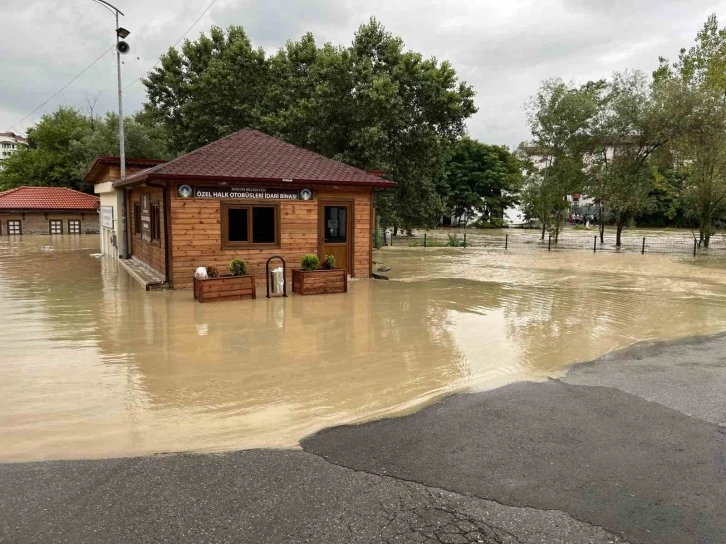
(93, 366)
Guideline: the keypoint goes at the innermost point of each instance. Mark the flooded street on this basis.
(92, 366)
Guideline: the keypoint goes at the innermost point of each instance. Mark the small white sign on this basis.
(106, 218)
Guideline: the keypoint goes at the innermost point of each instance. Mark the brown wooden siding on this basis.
(152, 253)
(196, 235)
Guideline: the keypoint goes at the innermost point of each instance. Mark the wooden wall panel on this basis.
(196, 235)
(151, 253)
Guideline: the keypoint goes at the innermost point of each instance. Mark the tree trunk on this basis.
(395, 229)
(544, 227)
(705, 233)
(619, 226)
(558, 222)
(601, 223)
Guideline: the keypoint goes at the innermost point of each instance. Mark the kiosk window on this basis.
(263, 225)
(137, 219)
(237, 224)
(155, 223)
(249, 225)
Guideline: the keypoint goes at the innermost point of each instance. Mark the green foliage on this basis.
(62, 145)
(329, 263)
(372, 104)
(701, 150)
(310, 262)
(490, 223)
(238, 267)
(480, 178)
(455, 240)
(377, 234)
(212, 272)
(559, 116)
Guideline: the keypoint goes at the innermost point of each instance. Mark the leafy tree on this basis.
(702, 162)
(372, 104)
(210, 88)
(643, 119)
(480, 178)
(700, 153)
(63, 143)
(559, 116)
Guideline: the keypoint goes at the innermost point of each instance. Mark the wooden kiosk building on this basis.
(249, 196)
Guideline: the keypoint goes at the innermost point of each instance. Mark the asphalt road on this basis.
(630, 448)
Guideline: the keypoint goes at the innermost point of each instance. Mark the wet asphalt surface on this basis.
(629, 448)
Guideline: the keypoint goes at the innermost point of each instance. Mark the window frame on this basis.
(155, 211)
(57, 222)
(19, 225)
(137, 219)
(71, 222)
(248, 205)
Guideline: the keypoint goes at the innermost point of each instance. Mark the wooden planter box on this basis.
(224, 288)
(318, 282)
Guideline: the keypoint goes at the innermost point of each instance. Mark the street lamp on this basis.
(121, 48)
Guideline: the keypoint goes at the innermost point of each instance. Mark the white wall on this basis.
(109, 197)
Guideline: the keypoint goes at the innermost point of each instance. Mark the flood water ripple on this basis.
(92, 366)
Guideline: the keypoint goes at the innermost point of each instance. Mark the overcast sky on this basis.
(503, 48)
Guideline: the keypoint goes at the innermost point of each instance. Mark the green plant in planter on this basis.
(329, 263)
(238, 267)
(212, 272)
(310, 262)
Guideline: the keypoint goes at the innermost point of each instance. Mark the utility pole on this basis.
(121, 48)
(121, 139)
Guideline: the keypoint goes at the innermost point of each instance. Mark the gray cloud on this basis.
(503, 49)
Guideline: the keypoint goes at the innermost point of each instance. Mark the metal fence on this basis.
(664, 244)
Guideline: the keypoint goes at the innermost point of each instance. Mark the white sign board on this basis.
(106, 217)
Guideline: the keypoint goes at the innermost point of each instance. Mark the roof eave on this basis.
(111, 160)
(25, 210)
(140, 178)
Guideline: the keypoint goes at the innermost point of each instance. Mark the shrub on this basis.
(212, 272)
(238, 267)
(490, 223)
(310, 262)
(329, 263)
(455, 241)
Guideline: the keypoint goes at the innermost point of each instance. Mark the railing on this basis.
(666, 244)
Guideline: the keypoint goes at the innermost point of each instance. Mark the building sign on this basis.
(243, 193)
(145, 218)
(106, 217)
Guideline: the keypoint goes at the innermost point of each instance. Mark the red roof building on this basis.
(47, 210)
(252, 197)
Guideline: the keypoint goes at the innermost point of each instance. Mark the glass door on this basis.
(335, 226)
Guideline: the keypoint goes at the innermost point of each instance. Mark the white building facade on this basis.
(9, 144)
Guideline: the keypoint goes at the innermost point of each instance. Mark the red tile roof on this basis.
(249, 155)
(47, 198)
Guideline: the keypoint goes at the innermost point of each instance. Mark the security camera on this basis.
(123, 47)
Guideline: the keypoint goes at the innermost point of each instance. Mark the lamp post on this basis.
(121, 48)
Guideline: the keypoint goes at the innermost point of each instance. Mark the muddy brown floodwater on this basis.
(93, 366)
